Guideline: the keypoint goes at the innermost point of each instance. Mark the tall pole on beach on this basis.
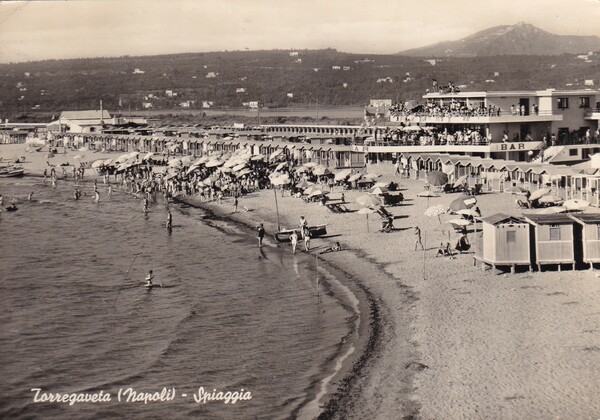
(277, 209)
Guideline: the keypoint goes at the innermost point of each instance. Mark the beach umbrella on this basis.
(367, 211)
(343, 174)
(304, 184)
(370, 177)
(551, 199)
(214, 163)
(244, 172)
(516, 190)
(277, 153)
(174, 162)
(536, 195)
(461, 203)
(281, 166)
(427, 194)
(186, 160)
(310, 164)
(257, 158)
(437, 211)
(466, 212)
(461, 180)
(369, 200)
(379, 190)
(437, 178)
(310, 190)
(301, 169)
(315, 193)
(98, 163)
(78, 157)
(381, 184)
(320, 170)
(551, 210)
(576, 204)
(354, 177)
(239, 167)
(459, 222)
(225, 170)
(281, 179)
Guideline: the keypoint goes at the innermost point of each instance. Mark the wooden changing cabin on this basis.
(554, 243)
(587, 234)
(505, 242)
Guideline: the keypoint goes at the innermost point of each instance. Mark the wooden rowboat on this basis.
(315, 231)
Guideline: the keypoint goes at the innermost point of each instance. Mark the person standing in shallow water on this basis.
(294, 241)
(261, 234)
(169, 220)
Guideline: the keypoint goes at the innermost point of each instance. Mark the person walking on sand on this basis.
(261, 234)
(418, 241)
(235, 203)
(294, 241)
(303, 225)
(109, 190)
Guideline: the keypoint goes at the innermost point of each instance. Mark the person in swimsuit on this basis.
(149, 278)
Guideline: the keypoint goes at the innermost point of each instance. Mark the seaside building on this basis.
(90, 121)
(553, 239)
(505, 241)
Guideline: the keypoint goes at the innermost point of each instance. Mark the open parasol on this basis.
(437, 178)
(369, 200)
(367, 211)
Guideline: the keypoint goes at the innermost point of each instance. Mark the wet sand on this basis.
(451, 340)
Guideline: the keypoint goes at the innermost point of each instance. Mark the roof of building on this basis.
(548, 219)
(501, 218)
(585, 218)
(85, 115)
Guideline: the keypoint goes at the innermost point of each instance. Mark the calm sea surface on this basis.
(230, 316)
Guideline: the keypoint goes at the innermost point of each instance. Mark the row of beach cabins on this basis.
(496, 175)
(329, 155)
(538, 240)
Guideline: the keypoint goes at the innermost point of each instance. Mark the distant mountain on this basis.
(519, 39)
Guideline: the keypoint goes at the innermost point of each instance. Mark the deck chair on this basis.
(384, 213)
(335, 208)
(445, 251)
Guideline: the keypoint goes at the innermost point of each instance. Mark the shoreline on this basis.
(341, 385)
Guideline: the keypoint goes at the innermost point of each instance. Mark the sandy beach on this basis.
(453, 341)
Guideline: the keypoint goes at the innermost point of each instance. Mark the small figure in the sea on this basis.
(1, 199)
(109, 190)
(145, 209)
(45, 174)
(261, 234)
(169, 220)
(149, 278)
(418, 241)
(96, 196)
(294, 241)
(30, 196)
(235, 203)
(77, 194)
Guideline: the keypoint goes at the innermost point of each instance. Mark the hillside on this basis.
(519, 39)
(268, 77)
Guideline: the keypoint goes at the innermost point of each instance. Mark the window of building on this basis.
(573, 152)
(555, 232)
(584, 102)
(563, 103)
(511, 236)
(598, 227)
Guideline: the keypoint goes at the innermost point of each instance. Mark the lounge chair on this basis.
(384, 213)
(445, 251)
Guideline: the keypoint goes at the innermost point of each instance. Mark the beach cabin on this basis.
(554, 239)
(587, 237)
(505, 242)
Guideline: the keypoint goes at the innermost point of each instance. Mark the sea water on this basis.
(76, 320)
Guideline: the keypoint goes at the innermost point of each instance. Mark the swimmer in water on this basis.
(149, 278)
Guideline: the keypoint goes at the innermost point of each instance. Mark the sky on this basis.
(38, 30)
